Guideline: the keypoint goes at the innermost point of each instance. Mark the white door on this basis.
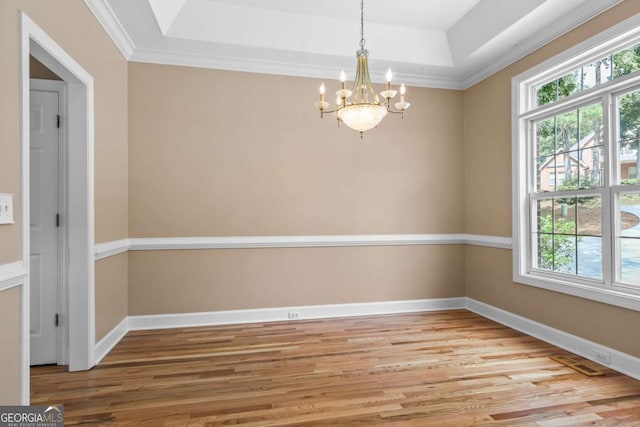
(44, 186)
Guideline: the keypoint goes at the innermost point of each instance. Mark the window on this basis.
(576, 137)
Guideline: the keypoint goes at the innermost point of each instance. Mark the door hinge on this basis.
(57, 220)
(57, 320)
(58, 121)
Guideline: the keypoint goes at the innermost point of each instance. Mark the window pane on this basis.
(605, 69)
(589, 232)
(575, 140)
(567, 131)
(590, 257)
(544, 233)
(556, 235)
(567, 171)
(569, 235)
(545, 137)
(547, 93)
(546, 179)
(591, 168)
(628, 237)
(591, 119)
(626, 61)
(596, 73)
(564, 216)
(564, 254)
(559, 88)
(628, 216)
(630, 260)
(589, 216)
(628, 137)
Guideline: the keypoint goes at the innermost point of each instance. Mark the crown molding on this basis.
(251, 65)
(541, 38)
(107, 18)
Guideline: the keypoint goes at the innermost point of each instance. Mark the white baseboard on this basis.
(163, 321)
(619, 361)
(106, 344)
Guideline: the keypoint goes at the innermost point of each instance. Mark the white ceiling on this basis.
(435, 43)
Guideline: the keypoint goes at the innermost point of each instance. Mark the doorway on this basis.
(47, 174)
(78, 256)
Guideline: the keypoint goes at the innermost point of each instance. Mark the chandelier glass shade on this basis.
(361, 108)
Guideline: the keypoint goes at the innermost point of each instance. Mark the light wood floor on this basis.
(450, 368)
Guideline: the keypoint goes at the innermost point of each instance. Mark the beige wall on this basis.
(211, 280)
(489, 280)
(72, 25)
(487, 129)
(111, 293)
(37, 70)
(10, 339)
(218, 153)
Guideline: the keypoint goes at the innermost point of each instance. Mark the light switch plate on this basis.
(6, 208)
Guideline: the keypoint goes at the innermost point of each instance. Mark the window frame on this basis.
(524, 112)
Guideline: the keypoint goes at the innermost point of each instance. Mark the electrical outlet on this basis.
(6, 208)
(292, 315)
(603, 357)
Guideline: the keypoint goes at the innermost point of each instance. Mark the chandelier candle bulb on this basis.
(322, 89)
(343, 79)
(389, 77)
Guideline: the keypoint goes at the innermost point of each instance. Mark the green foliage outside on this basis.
(557, 251)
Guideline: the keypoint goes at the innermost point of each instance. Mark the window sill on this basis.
(605, 296)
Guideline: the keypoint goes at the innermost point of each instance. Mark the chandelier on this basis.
(360, 108)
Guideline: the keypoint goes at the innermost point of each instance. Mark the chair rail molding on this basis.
(106, 249)
(12, 274)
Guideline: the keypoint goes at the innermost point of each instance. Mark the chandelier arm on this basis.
(323, 112)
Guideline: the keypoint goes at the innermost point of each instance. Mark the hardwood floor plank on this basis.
(450, 368)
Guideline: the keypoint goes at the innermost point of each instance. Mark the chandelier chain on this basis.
(362, 40)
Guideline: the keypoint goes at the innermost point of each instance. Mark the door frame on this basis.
(80, 259)
(62, 343)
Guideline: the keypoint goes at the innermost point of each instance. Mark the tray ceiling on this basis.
(434, 43)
